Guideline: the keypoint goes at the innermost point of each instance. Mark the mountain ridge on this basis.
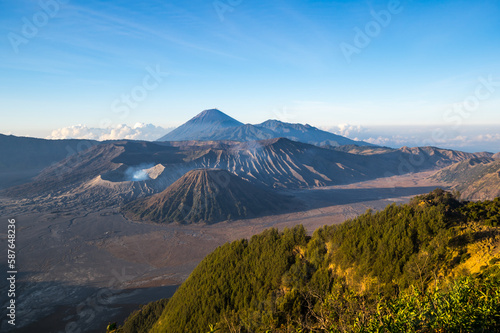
(206, 195)
(23, 158)
(213, 124)
(101, 174)
(475, 178)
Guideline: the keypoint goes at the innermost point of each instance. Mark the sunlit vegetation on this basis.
(407, 268)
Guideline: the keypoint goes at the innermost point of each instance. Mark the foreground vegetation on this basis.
(428, 266)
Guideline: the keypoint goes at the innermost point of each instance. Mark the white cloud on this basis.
(347, 130)
(472, 143)
(139, 131)
(467, 138)
(489, 137)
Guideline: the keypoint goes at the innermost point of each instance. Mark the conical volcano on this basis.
(207, 196)
(202, 125)
(214, 125)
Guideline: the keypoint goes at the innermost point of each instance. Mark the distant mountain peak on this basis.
(208, 111)
(213, 124)
(214, 115)
(277, 121)
(202, 125)
(274, 124)
(272, 121)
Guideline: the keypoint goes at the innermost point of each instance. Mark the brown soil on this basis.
(77, 264)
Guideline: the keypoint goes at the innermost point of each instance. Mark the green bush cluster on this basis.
(237, 282)
(486, 211)
(387, 271)
(468, 305)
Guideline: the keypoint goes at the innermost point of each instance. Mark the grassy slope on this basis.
(398, 269)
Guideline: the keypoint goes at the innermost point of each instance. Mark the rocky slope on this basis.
(121, 171)
(207, 195)
(476, 179)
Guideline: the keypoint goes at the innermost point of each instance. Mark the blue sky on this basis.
(73, 62)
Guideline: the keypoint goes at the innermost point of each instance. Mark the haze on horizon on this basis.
(342, 66)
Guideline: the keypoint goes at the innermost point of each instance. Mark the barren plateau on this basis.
(82, 269)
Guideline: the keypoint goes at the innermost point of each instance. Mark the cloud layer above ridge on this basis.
(140, 131)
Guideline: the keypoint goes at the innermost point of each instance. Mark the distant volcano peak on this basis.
(213, 125)
(202, 125)
(215, 116)
(211, 113)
